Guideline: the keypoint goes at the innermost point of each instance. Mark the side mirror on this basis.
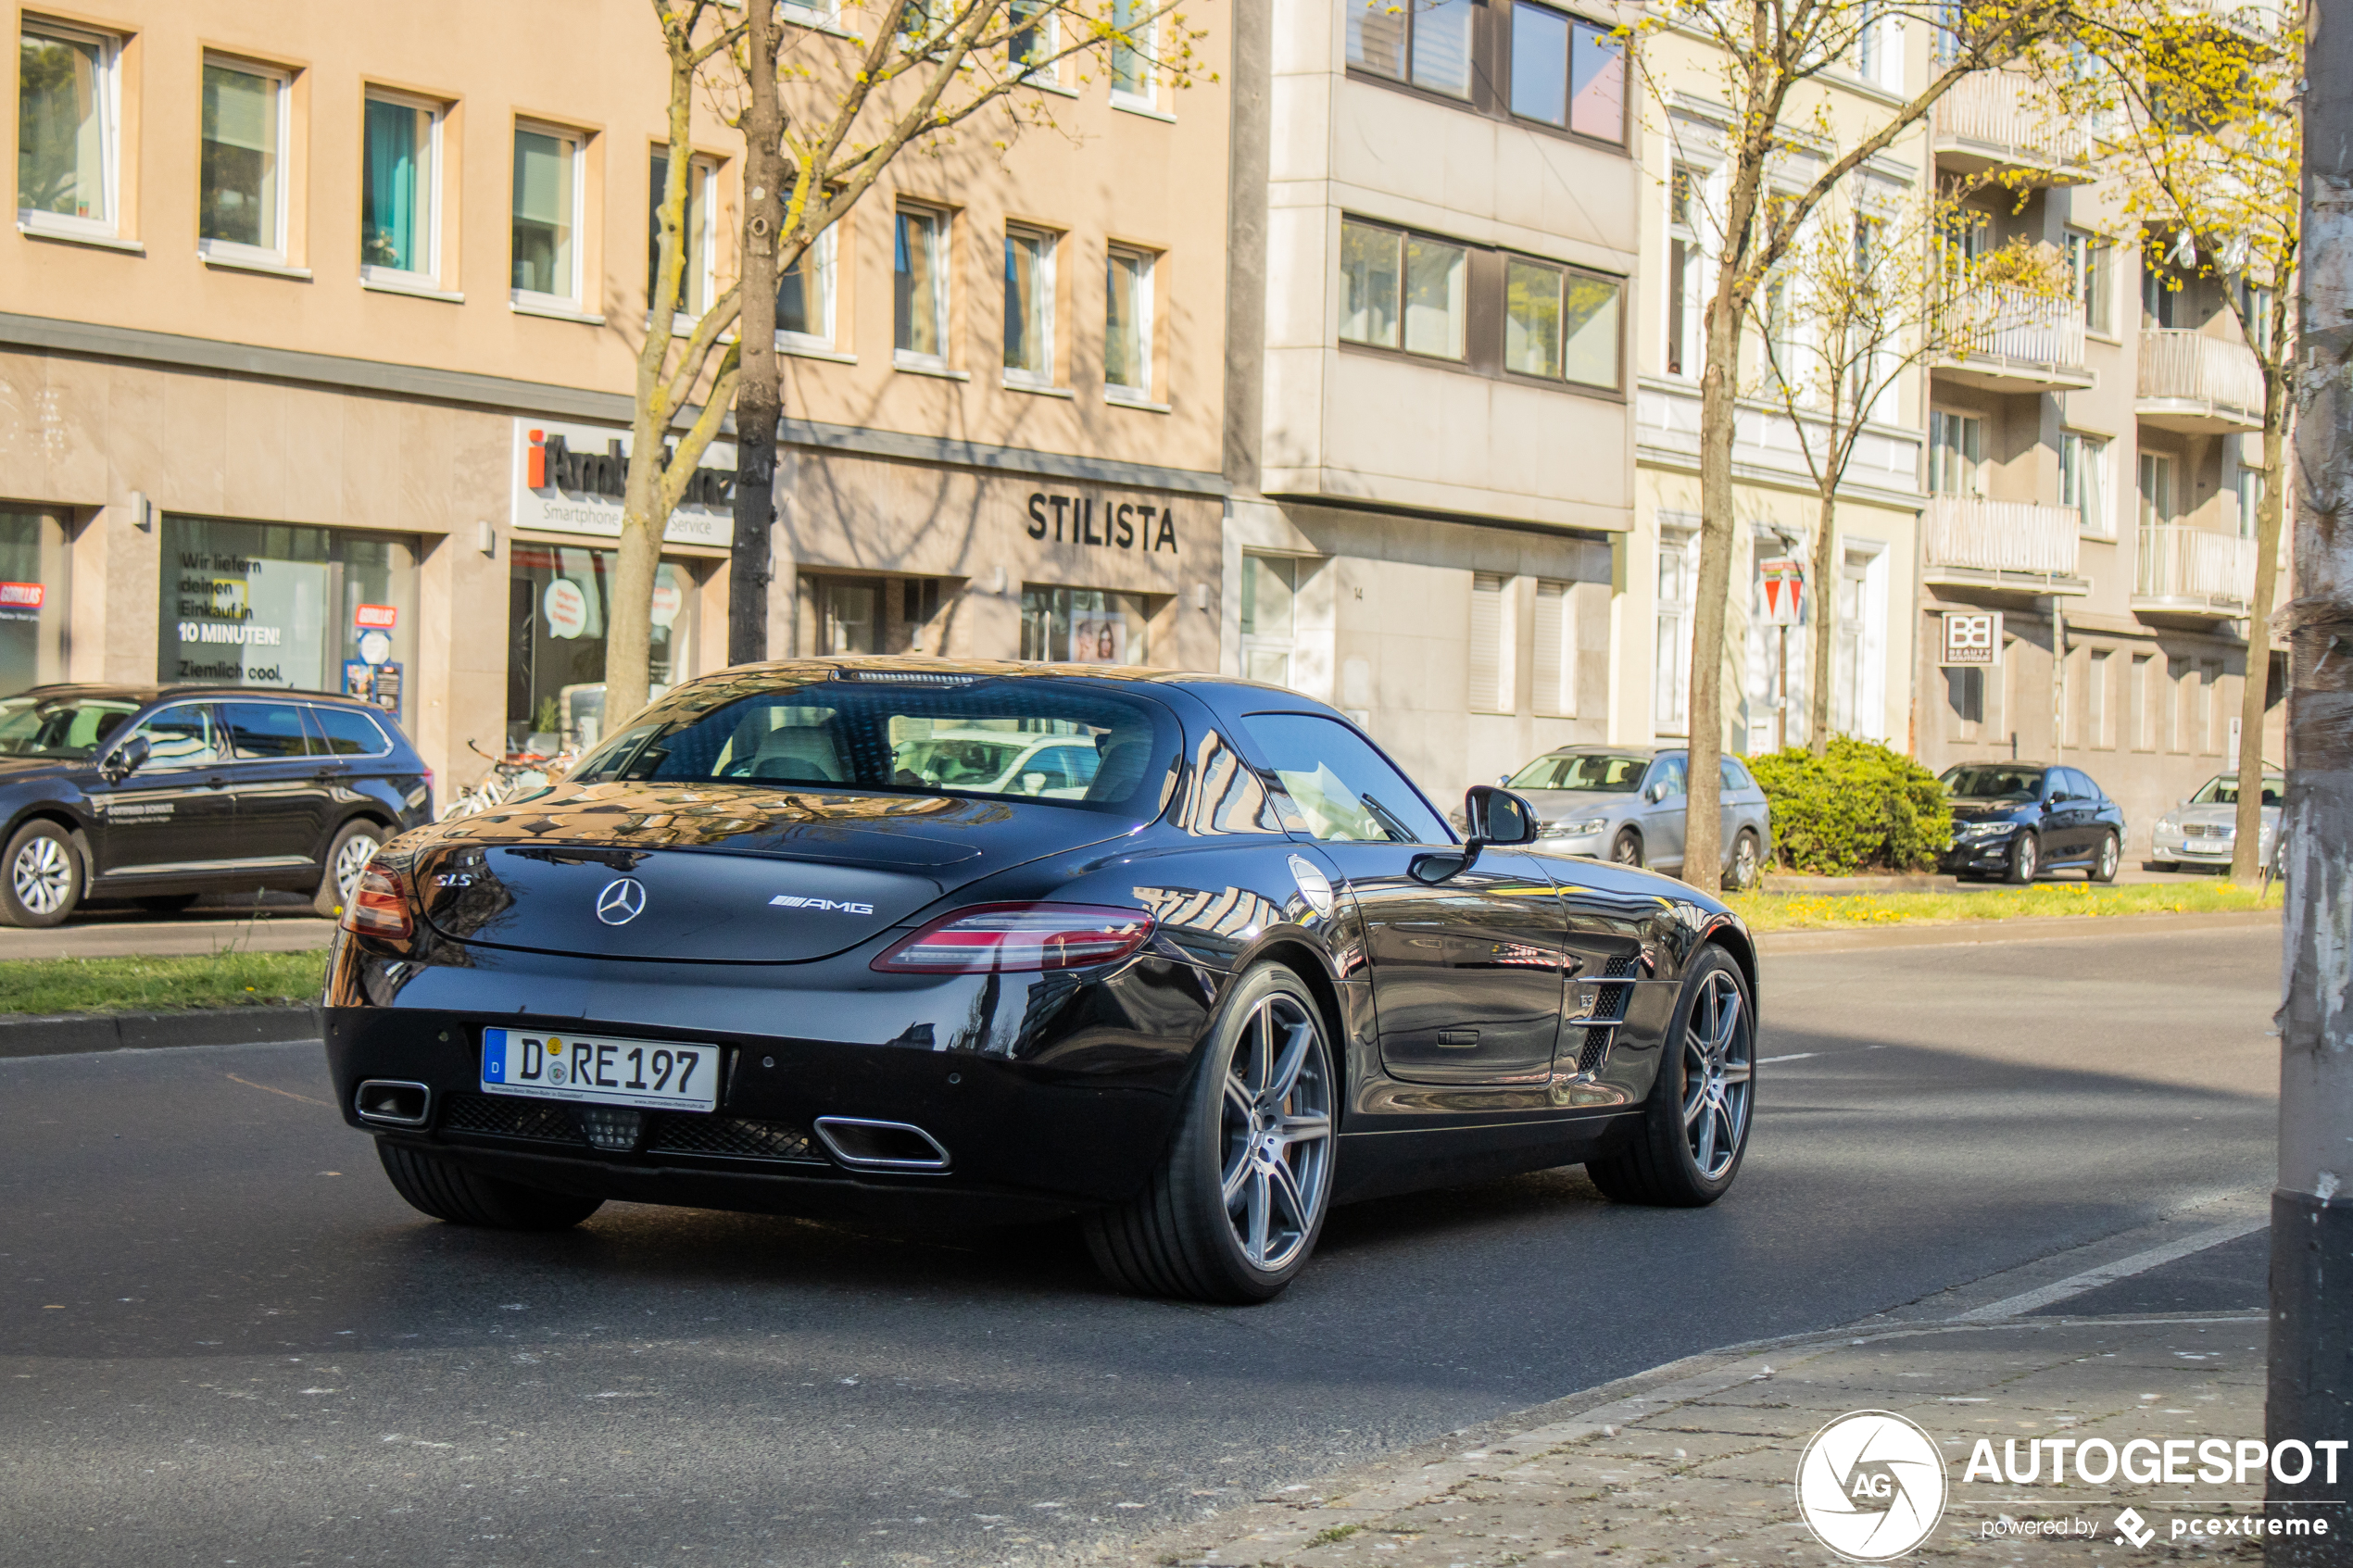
(127, 759)
(1497, 816)
(1656, 792)
(1031, 782)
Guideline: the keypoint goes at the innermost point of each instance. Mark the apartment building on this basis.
(322, 329)
(2094, 466)
(1435, 229)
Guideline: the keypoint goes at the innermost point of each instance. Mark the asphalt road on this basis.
(224, 1340)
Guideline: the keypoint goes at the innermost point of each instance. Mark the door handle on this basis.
(216, 780)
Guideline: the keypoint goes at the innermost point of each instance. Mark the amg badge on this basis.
(829, 905)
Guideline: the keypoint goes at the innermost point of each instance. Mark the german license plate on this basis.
(651, 1074)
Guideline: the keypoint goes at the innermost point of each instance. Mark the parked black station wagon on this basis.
(159, 794)
(772, 946)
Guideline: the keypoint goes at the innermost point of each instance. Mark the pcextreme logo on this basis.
(1870, 1485)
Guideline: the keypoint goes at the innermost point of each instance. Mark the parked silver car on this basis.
(2202, 830)
(1625, 803)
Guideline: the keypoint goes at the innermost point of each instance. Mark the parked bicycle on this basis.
(511, 775)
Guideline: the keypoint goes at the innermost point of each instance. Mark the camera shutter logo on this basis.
(1870, 1485)
(622, 900)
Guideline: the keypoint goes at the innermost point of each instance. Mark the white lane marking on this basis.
(1800, 1056)
(2124, 1268)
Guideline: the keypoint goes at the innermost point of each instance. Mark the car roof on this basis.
(1594, 748)
(146, 694)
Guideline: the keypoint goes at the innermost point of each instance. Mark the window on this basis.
(1030, 307)
(2137, 704)
(812, 13)
(256, 604)
(2089, 260)
(1127, 325)
(182, 737)
(266, 730)
(2096, 701)
(559, 615)
(1684, 273)
(66, 130)
(1427, 42)
(1402, 290)
(399, 189)
(1134, 51)
(2157, 490)
(241, 206)
(1956, 454)
(1965, 702)
(2255, 313)
(1344, 789)
(696, 234)
(2250, 499)
(1559, 324)
(2161, 295)
(1568, 72)
(1084, 625)
(1879, 50)
(1494, 685)
(2210, 699)
(919, 286)
(345, 732)
(2180, 681)
(1556, 649)
(1848, 677)
(1031, 39)
(547, 200)
(1269, 617)
(2084, 481)
(805, 298)
(1671, 663)
(1670, 775)
(848, 615)
(36, 565)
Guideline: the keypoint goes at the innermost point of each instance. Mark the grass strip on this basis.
(1817, 911)
(174, 984)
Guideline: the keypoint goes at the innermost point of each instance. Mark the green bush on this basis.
(1861, 807)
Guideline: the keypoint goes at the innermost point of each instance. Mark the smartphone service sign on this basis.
(572, 479)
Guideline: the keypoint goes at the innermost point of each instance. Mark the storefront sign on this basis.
(383, 617)
(1147, 527)
(572, 479)
(1784, 585)
(567, 608)
(668, 601)
(22, 596)
(1972, 640)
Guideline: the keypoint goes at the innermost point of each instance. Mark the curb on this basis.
(2010, 928)
(75, 1033)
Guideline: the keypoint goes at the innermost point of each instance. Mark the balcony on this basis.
(2197, 384)
(2188, 573)
(2014, 340)
(2005, 547)
(1994, 119)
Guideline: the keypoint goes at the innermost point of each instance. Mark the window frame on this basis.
(40, 220)
(698, 285)
(1043, 274)
(940, 250)
(1508, 21)
(1565, 270)
(2077, 447)
(234, 252)
(2091, 260)
(826, 248)
(1490, 65)
(1940, 420)
(1148, 57)
(1147, 273)
(430, 277)
(574, 303)
(1044, 19)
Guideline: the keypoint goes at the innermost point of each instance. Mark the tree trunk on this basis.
(629, 603)
(1702, 824)
(2247, 849)
(760, 394)
(1824, 589)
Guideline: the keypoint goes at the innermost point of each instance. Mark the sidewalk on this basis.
(1694, 1463)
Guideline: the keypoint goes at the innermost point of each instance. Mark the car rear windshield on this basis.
(1606, 775)
(1071, 742)
(2224, 791)
(1985, 781)
(71, 728)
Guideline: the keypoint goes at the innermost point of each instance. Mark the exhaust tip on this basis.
(880, 1146)
(393, 1102)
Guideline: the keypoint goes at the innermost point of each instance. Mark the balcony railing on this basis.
(1974, 535)
(2178, 366)
(1998, 112)
(2193, 570)
(2004, 321)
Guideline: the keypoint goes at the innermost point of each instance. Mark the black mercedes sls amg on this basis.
(1181, 955)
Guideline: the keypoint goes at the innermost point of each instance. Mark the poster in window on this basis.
(1099, 640)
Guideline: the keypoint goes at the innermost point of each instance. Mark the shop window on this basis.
(260, 604)
(805, 298)
(1567, 73)
(918, 287)
(559, 606)
(1127, 325)
(546, 207)
(399, 189)
(1494, 686)
(1556, 649)
(33, 600)
(1269, 617)
(1134, 52)
(1084, 625)
(241, 200)
(1426, 44)
(1029, 306)
(67, 99)
(845, 615)
(697, 233)
(1559, 324)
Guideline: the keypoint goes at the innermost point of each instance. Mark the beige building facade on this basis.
(321, 333)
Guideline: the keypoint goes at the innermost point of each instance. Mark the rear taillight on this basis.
(378, 905)
(1006, 938)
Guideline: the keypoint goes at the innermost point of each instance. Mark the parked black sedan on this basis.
(162, 793)
(2018, 819)
(765, 949)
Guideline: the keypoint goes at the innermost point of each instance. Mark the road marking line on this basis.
(268, 1090)
(1799, 1056)
(2124, 1268)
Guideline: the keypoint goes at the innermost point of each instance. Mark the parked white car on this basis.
(2201, 830)
(1000, 762)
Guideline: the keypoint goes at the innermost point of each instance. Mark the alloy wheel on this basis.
(42, 876)
(1719, 1071)
(351, 863)
(1744, 863)
(2107, 858)
(1278, 1133)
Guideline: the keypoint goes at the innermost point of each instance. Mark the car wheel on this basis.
(1694, 1125)
(354, 847)
(2024, 855)
(1233, 1213)
(165, 903)
(2104, 869)
(43, 879)
(444, 1191)
(1744, 862)
(1627, 848)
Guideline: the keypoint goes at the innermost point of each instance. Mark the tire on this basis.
(1678, 1159)
(353, 849)
(2025, 859)
(1235, 1209)
(1745, 867)
(2103, 866)
(1626, 849)
(40, 876)
(165, 903)
(443, 1191)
